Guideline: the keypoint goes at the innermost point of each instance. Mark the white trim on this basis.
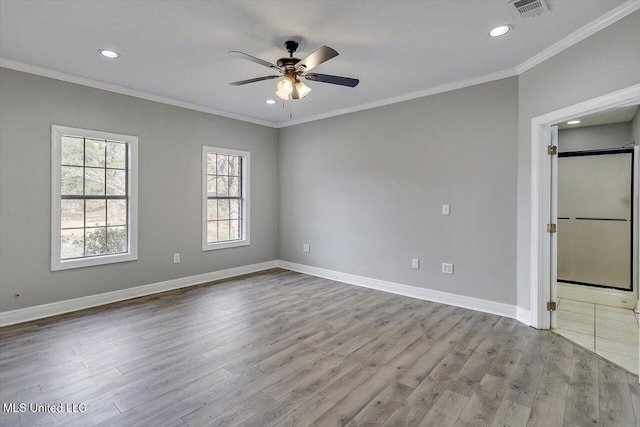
(477, 304)
(246, 197)
(132, 191)
(539, 279)
(577, 36)
(47, 310)
(523, 316)
(447, 87)
(70, 78)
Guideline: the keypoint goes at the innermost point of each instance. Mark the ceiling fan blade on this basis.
(321, 55)
(256, 60)
(257, 79)
(336, 80)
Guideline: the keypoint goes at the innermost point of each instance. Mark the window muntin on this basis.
(94, 181)
(225, 205)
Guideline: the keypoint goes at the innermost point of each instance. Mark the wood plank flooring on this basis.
(279, 348)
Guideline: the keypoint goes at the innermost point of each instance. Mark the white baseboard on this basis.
(477, 304)
(46, 310)
(523, 316)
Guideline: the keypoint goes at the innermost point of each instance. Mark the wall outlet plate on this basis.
(415, 263)
(176, 258)
(446, 209)
(306, 248)
(447, 268)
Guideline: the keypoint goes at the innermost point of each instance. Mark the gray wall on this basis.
(365, 191)
(635, 128)
(607, 61)
(594, 137)
(170, 141)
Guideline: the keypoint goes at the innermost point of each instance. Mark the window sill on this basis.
(89, 262)
(225, 245)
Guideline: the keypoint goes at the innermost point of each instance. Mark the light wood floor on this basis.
(281, 348)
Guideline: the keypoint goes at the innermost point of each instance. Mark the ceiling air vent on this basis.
(528, 8)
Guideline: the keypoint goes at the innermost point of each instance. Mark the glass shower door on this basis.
(595, 218)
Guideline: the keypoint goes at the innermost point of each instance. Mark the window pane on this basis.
(116, 240)
(70, 181)
(234, 209)
(234, 165)
(234, 230)
(71, 213)
(212, 210)
(71, 243)
(94, 152)
(96, 241)
(116, 182)
(72, 151)
(211, 185)
(223, 230)
(96, 213)
(116, 212)
(211, 163)
(223, 209)
(234, 187)
(94, 182)
(212, 231)
(223, 164)
(222, 186)
(116, 155)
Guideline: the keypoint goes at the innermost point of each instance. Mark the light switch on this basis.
(446, 209)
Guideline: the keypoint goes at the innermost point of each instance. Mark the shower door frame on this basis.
(554, 192)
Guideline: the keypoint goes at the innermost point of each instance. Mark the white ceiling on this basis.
(178, 49)
(613, 115)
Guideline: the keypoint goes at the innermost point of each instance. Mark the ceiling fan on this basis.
(291, 69)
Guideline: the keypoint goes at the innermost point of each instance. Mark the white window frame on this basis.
(132, 224)
(245, 241)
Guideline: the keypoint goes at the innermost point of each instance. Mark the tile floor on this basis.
(608, 331)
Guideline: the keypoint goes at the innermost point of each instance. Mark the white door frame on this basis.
(540, 262)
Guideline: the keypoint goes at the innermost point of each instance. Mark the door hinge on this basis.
(552, 228)
(552, 150)
(552, 306)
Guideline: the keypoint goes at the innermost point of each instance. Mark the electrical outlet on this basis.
(446, 210)
(306, 248)
(176, 258)
(415, 263)
(447, 268)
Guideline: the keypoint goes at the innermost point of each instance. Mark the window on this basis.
(93, 198)
(225, 204)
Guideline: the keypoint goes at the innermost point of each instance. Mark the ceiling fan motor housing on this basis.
(288, 63)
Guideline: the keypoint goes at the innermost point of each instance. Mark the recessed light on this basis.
(270, 101)
(109, 54)
(573, 122)
(500, 30)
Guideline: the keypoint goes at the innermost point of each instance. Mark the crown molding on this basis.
(70, 78)
(577, 36)
(448, 87)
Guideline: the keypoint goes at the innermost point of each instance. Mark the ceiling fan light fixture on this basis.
(285, 88)
(303, 89)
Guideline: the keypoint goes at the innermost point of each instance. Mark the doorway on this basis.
(593, 193)
(543, 243)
